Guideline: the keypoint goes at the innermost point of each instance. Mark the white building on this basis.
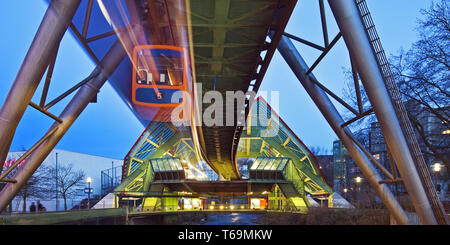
(91, 165)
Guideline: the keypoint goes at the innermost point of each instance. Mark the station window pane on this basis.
(173, 164)
(275, 164)
(155, 166)
(161, 165)
(283, 164)
(170, 164)
(269, 164)
(255, 164)
(263, 164)
(167, 165)
(177, 164)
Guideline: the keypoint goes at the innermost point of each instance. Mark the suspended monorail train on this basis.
(159, 81)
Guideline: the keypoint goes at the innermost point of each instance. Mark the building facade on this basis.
(427, 125)
(327, 168)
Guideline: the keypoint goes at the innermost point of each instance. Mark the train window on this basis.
(164, 66)
(143, 76)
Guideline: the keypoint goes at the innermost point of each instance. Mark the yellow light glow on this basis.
(221, 207)
(211, 207)
(437, 167)
(232, 207)
(242, 206)
(345, 190)
(358, 179)
(89, 180)
(446, 131)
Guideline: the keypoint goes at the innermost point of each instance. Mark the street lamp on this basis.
(358, 180)
(89, 180)
(436, 167)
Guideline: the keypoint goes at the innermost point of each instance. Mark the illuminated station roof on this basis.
(265, 135)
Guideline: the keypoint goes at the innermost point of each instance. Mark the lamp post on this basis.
(89, 180)
(437, 167)
(56, 181)
(358, 181)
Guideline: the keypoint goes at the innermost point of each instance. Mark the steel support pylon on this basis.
(71, 112)
(329, 111)
(359, 46)
(45, 43)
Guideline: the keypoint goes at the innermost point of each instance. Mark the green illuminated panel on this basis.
(155, 166)
(269, 164)
(282, 164)
(255, 165)
(263, 164)
(168, 165)
(161, 165)
(276, 163)
(177, 164)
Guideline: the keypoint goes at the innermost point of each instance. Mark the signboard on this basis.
(10, 162)
(88, 190)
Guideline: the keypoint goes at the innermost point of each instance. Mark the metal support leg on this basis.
(358, 43)
(53, 26)
(299, 67)
(78, 103)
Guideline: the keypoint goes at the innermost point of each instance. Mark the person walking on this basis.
(32, 207)
(40, 207)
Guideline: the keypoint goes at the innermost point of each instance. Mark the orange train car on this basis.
(159, 81)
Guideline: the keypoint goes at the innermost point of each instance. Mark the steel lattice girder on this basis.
(284, 144)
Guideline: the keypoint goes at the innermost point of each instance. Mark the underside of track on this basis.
(231, 54)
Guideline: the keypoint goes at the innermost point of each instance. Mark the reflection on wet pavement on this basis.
(231, 219)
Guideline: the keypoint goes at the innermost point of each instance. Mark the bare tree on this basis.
(36, 186)
(69, 181)
(423, 77)
(319, 150)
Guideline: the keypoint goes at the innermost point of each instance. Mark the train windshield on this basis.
(159, 67)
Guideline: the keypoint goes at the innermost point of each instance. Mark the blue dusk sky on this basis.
(108, 128)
